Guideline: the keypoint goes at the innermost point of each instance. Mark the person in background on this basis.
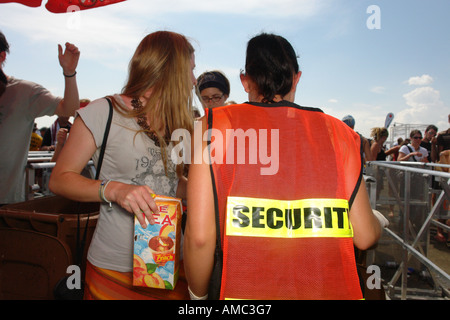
(20, 104)
(63, 133)
(443, 156)
(36, 139)
(399, 142)
(50, 137)
(61, 138)
(213, 89)
(443, 140)
(350, 121)
(137, 162)
(42, 131)
(3, 82)
(379, 153)
(413, 151)
(429, 142)
(441, 234)
(272, 246)
(377, 147)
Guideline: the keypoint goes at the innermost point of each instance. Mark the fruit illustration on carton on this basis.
(157, 248)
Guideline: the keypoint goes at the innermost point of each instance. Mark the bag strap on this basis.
(411, 151)
(80, 246)
(215, 284)
(105, 139)
(216, 204)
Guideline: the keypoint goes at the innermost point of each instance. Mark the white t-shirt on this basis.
(22, 102)
(405, 150)
(129, 158)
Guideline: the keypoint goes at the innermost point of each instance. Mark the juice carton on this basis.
(157, 248)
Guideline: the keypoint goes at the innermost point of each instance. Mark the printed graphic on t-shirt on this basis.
(151, 172)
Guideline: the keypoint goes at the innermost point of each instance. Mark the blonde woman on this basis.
(379, 136)
(379, 153)
(155, 101)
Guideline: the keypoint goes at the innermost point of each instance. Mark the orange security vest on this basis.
(284, 179)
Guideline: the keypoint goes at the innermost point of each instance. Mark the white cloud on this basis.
(107, 33)
(92, 28)
(423, 80)
(101, 35)
(378, 90)
(333, 101)
(423, 98)
(424, 104)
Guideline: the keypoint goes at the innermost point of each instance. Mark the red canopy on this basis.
(61, 6)
(30, 3)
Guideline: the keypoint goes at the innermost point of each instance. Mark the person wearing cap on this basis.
(213, 89)
(350, 121)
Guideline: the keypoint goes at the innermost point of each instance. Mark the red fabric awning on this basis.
(63, 6)
(30, 3)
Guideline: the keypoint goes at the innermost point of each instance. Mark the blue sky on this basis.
(403, 67)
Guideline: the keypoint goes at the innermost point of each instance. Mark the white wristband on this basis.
(103, 186)
(194, 297)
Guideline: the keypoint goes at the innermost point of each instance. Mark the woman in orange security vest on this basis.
(286, 183)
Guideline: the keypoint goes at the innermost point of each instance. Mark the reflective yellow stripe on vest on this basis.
(251, 217)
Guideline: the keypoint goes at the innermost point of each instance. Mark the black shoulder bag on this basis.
(61, 291)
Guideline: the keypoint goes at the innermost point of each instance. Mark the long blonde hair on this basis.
(162, 64)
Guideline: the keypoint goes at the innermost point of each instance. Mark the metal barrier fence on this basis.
(38, 171)
(413, 197)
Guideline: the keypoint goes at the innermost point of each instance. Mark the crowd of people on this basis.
(431, 147)
(157, 100)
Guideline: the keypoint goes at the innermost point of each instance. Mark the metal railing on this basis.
(412, 196)
(38, 170)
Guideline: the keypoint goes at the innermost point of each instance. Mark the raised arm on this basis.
(69, 62)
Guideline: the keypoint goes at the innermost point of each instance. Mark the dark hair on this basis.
(271, 63)
(4, 46)
(3, 78)
(414, 132)
(3, 82)
(214, 79)
(431, 127)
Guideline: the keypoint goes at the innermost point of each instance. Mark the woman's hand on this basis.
(137, 200)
